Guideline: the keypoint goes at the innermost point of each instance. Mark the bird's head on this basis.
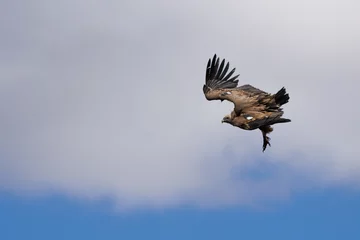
(227, 119)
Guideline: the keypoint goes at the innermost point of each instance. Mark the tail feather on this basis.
(281, 97)
(275, 118)
(282, 120)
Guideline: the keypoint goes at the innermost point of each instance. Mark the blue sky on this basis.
(331, 214)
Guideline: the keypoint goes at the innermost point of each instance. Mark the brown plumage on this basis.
(253, 108)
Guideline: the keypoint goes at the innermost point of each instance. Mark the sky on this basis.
(103, 116)
(317, 215)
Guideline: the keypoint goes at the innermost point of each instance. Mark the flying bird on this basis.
(253, 108)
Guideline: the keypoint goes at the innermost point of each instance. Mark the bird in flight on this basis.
(253, 108)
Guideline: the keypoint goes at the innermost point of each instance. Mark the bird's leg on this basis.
(266, 140)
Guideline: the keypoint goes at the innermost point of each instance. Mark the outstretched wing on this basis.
(221, 85)
(217, 80)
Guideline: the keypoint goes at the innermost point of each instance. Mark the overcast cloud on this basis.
(104, 99)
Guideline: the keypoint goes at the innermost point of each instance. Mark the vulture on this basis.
(253, 108)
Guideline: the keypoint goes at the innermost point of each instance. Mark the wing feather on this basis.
(249, 88)
(266, 119)
(208, 69)
(215, 72)
(213, 69)
(233, 78)
(225, 71)
(229, 75)
(220, 69)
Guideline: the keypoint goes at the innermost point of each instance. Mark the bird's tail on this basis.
(281, 120)
(274, 118)
(281, 97)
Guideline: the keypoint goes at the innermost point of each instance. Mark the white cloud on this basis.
(105, 99)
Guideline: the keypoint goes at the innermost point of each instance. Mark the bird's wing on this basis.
(254, 98)
(257, 119)
(250, 90)
(217, 80)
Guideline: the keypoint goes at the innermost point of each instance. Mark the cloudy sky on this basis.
(103, 100)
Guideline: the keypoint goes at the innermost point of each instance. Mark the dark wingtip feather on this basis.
(214, 78)
(208, 69)
(220, 69)
(229, 75)
(233, 78)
